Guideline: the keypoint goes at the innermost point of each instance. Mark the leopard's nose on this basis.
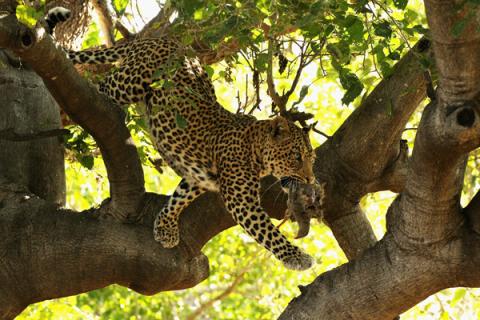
(310, 180)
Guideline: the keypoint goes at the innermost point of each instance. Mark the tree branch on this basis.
(348, 293)
(107, 19)
(87, 107)
(81, 254)
(353, 163)
(220, 297)
(458, 71)
(109, 22)
(10, 135)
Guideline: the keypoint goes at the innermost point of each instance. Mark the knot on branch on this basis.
(462, 126)
(423, 45)
(466, 117)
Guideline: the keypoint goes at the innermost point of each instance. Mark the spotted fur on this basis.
(56, 15)
(217, 150)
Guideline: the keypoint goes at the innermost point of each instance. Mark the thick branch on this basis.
(457, 57)
(56, 253)
(107, 19)
(351, 292)
(353, 163)
(109, 22)
(430, 208)
(450, 128)
(93, 111)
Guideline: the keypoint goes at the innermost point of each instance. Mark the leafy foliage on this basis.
(29, 15)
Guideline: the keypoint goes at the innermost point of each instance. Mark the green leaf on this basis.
(353, 92)
(457, 28)
(190, 6)
(158, 73)
(192, 103)
(420, 29)
(334, 50)
(190, 90)
(386, 70)
(383, 30)
(209, 70)
(357, 31)
(142, 123)
(459, 294)
(425, 62)
(187, 40)
(389, 108)
(394, 55)
(304, 21)
(86, 161)
(407, 91)
(303, 94)
(120, 6)
(336, 65)
(400, 4)
(348, 79)
(458, 7)
(180, 121)
(328, 30)
(317, 7)
(346, 22)
(444, 316)
(169, 85)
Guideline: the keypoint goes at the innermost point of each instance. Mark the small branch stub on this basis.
(10, 135)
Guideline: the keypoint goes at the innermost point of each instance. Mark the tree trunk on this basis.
(28, 108)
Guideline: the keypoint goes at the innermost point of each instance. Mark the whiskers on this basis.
(278, 181)
(289, 182)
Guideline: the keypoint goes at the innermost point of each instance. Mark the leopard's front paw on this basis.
(299, 262)
(167, 234)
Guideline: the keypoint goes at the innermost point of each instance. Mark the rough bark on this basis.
(431, 243)
(28, 108)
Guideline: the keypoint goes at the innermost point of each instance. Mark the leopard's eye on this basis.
(313, 160)
(297, 156)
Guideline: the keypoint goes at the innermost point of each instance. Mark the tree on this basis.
(431, 242)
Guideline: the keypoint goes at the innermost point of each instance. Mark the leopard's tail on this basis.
(102, 56)
(56, 15)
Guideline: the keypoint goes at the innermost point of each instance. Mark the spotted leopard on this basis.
(217, 150)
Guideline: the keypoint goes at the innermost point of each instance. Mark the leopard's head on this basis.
(289, 154)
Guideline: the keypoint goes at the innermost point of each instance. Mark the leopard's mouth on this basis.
(288, 180)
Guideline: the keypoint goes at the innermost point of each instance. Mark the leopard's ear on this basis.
(280, 130)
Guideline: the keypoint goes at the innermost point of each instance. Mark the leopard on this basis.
(217, 150)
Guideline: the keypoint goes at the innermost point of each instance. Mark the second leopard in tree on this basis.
(217, 150)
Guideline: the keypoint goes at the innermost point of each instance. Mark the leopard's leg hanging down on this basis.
(165, 227)
(247, 212)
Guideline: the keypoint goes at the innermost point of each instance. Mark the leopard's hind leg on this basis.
(166, 223)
